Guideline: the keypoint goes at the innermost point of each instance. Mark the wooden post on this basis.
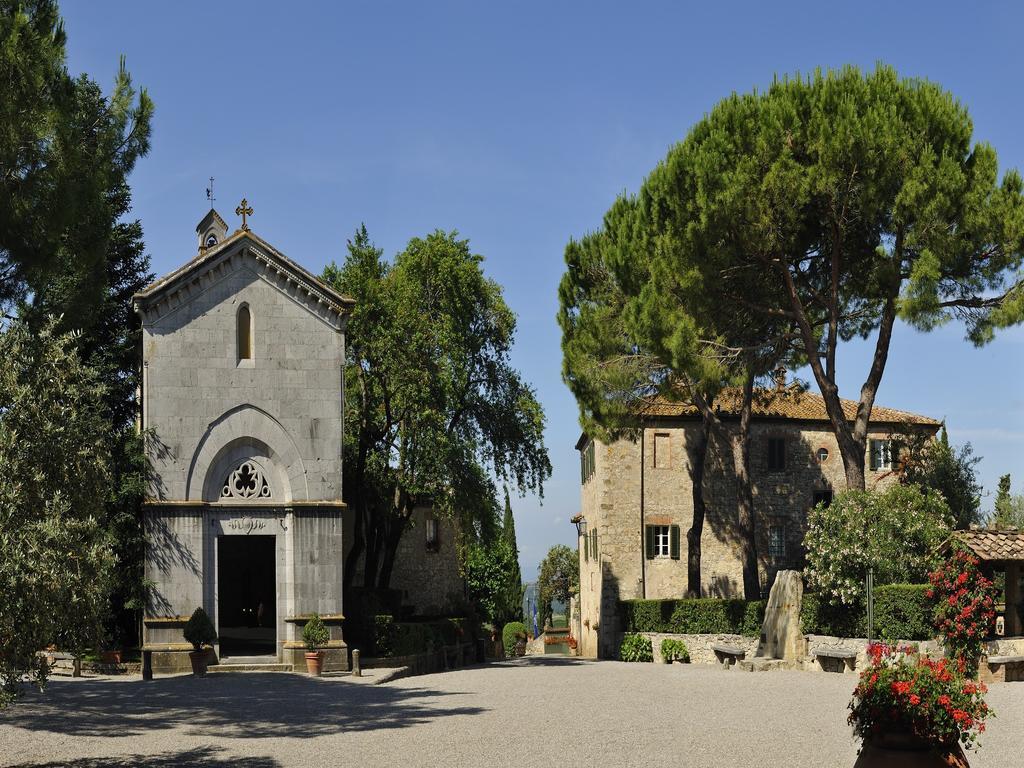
(147, 664)
(1012, 595)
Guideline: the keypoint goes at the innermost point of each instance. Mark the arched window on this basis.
(244, 333)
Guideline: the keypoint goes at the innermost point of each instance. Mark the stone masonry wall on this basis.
(612, 501)
(193, 381)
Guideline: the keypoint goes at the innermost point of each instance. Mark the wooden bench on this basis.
(728, 654)
(846, 657)
(1002, 669)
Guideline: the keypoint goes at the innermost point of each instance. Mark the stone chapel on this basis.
(242, 394)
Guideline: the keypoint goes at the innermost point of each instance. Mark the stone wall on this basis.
(430, 579)
(198, 395)
(700, 647)
(647, 482)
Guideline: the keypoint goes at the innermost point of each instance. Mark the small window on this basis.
(662, 541)
(822, 455)
(823, 497)
(662, 451)
(244, 333)
(433, 540)
(881, 454)
(777, 541)
(587, 462)
(211, 240)
(776, 454)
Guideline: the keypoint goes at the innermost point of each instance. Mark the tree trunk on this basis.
(698, 457)
(358, 544)
(745, 496)
(390, 549)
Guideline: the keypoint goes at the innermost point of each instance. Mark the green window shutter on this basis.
(586, 549)
(873, 454)
(649, 535)
(674, 541)
(593, 542)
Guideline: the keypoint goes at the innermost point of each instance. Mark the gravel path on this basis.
(528, 712)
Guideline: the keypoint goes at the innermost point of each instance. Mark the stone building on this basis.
(637, 503)
(242, 394)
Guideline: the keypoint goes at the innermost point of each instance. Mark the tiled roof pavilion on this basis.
(994, 546)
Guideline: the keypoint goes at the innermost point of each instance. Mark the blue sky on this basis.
(517, 124)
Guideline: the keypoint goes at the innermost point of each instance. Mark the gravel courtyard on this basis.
(527, 712)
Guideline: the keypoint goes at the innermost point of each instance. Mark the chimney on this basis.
(779, 374)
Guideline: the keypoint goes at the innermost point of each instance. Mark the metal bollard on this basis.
(357, 671)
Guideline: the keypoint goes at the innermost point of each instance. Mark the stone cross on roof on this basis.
(244, 210)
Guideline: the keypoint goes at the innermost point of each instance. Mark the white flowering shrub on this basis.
(897, 531)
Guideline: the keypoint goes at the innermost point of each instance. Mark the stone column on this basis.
(1012, 596)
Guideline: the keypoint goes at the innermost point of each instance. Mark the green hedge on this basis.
(509, 634)
(902, 612)
(405, 638)
(702, 616)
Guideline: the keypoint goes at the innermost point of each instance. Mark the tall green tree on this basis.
(935, 464)
(56, 555)
(65, 150)
(513, 586)
(558, 579)
(634, 330)
(860, 199)
(67, 248)
(1009, 508)
(434, 410)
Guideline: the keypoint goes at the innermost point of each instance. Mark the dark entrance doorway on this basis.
(247, 595)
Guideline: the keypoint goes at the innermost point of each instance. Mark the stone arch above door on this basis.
(247, 432)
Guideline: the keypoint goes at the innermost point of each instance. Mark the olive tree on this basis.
(56, 557)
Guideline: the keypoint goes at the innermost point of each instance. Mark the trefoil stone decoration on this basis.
(246, 482)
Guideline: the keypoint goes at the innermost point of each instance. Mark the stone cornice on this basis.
(172, 291)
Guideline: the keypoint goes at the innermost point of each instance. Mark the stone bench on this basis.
(728, 654)
(52, 657)
(844, 658)
(1001, 669)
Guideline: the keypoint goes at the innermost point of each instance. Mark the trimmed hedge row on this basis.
(698, 616)
(393, 638)
(902, 612)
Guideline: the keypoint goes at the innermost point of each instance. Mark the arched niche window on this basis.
(244, 333)
(211, 240)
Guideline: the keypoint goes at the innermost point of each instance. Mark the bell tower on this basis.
(211, 230)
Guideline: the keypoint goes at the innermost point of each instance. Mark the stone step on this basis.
(228, 668)
(763, 664)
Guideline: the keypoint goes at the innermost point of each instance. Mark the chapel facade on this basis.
(241, 402)
(637, 502)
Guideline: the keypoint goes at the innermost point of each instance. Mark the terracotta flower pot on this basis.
(903, 750)
(110, 657)
(198, 659)
(315, 663)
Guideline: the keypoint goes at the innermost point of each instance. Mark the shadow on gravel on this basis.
(202, 757)
(251, 705)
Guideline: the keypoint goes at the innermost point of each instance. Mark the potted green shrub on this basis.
(315, 635)
(199, 632)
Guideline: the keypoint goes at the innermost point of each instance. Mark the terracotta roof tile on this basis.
(788, 403)
(994, 545)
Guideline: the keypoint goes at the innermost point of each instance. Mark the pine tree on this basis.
(513, 592)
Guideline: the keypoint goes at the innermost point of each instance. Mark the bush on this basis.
(512, 631)
(897, 532)
(636, 648)
(199, 630)
(819, 617)
(674, 650)
(694, 616)
(903, 612)
(315, 634)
